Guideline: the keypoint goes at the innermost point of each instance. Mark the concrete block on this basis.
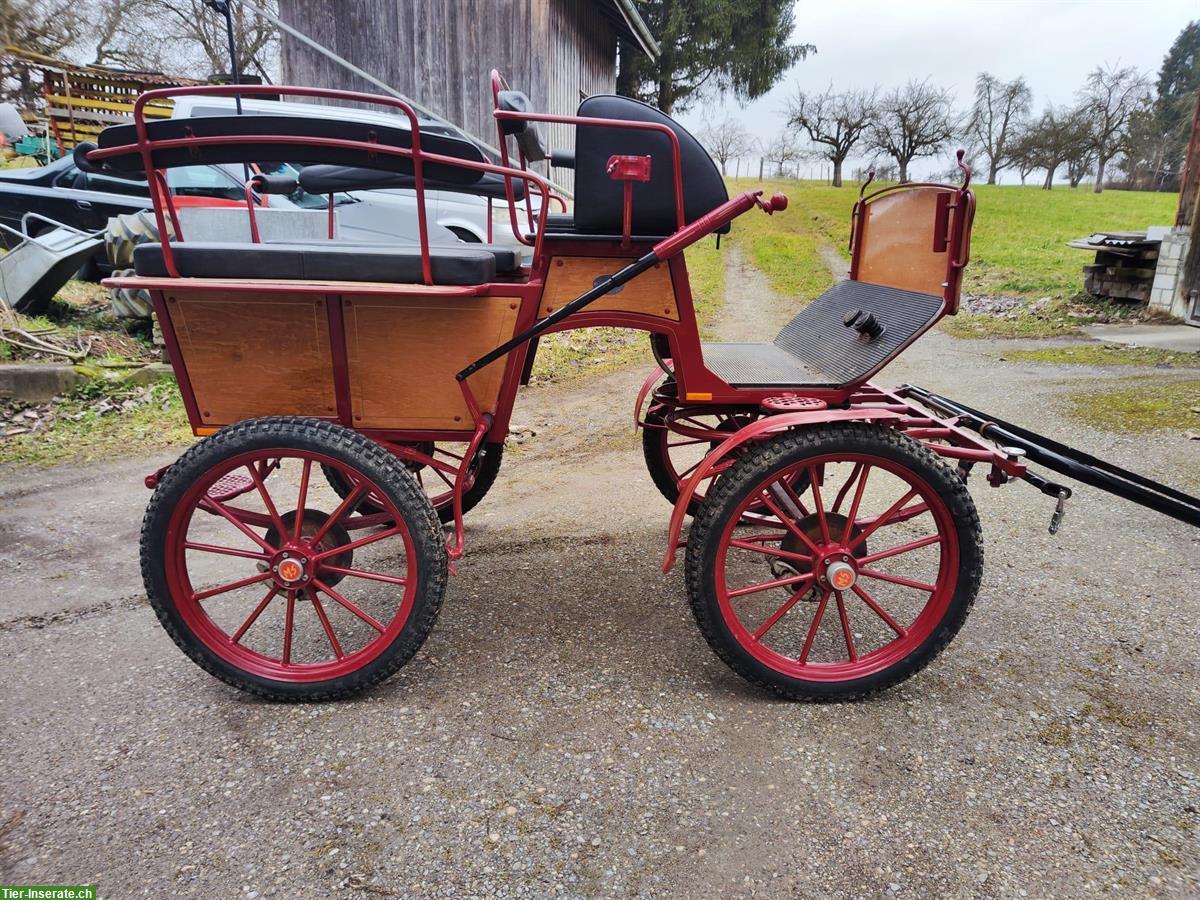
(36, 382)
(148, 374)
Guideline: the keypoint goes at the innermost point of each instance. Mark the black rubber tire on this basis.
(785, 450)
(652, 449)
(122, 237)
(384, 469)
(489, 468)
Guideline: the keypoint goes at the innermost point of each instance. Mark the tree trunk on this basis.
(723, 168)
(903, 164)
(1100, 164)
(760, 168)
(993, 170)
(837, 173)
(666, 93)
(1048, 184)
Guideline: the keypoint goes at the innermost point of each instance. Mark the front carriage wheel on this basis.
(847, 590)
(274, 583)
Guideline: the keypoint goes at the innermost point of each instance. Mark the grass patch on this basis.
(103, 421)
(1019, 238)
(1142, 404)
(1106, 355)
(1047, 317)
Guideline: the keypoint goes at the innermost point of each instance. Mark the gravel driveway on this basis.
(566, 731)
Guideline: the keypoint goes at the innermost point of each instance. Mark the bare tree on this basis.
(43, 26)
(725, 140)
(779, 152)
(913, 121)
(1110, 99)
(999, 109)
(834, 122)
(1060, 136)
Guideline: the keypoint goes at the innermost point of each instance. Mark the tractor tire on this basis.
(124, 234)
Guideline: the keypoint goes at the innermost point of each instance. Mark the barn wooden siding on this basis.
(440, 52)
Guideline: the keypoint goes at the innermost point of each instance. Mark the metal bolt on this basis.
(844, 559)
(303, 561)
(274, 568)
(286, 555)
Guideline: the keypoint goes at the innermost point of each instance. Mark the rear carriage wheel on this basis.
(438, 481)
(274, 583)
(671, 457)
(849, 590)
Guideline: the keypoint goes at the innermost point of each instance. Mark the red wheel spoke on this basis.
(442, 475)
(372, 576)
(896, 579)
(882, 520)
(302, 499)
(854, 504)
(763, 538)
(354, 545)
(690, 469)
(688, 443)
(878, 610)
(812, 629)
(320, 610)
(903, 548)
(783, 610)
(817, 504)
(788, 523)
(224, 512)
(903, 516)
(841, 495)
(794, 497)
(263, 604)
(347, 505)
(233, 585)
(227, 551)
(288, 622)
(346, 604)
(841, 605)
(767, 585)
(447, 453)
(271, 510)
(770, 551)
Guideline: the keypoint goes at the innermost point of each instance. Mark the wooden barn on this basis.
(439, 52)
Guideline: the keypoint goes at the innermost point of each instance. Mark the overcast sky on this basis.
(1053, 43)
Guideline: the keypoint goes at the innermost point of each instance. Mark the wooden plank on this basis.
(650, 293)
(404, 352)
(897, 243)
(249, 356)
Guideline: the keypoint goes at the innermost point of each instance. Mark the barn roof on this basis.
(629, 24)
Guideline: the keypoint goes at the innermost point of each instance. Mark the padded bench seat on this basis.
(817, 349)
(461, 264)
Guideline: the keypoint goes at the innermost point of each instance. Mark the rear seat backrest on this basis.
(598, 199)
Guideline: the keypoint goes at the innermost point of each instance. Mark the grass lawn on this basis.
(1142, 404)
(1018, 247)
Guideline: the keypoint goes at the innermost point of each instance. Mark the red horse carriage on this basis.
(354, 401)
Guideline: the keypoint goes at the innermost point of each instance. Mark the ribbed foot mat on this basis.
(817, 349)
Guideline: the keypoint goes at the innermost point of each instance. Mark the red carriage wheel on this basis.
(276, 584)
(671, 458)
(844, 592)
(438, 480)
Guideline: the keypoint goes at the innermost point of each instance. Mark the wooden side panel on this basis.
(403, 354)
(250, 356)
(650, 293)
(897, 243)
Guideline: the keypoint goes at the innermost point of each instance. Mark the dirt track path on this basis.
(567, 731)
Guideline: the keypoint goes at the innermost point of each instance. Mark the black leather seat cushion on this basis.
(459, 265)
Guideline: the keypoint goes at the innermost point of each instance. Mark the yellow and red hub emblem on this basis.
(290, 570)
(841, 576)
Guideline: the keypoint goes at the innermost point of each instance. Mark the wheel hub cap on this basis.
(841, 576)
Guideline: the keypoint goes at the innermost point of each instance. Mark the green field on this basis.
(1019, 246)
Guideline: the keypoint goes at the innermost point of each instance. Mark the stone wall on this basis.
(1166, 294)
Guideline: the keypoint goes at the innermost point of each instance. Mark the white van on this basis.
(465, 215)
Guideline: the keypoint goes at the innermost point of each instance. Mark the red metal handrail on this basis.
(146, 146)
